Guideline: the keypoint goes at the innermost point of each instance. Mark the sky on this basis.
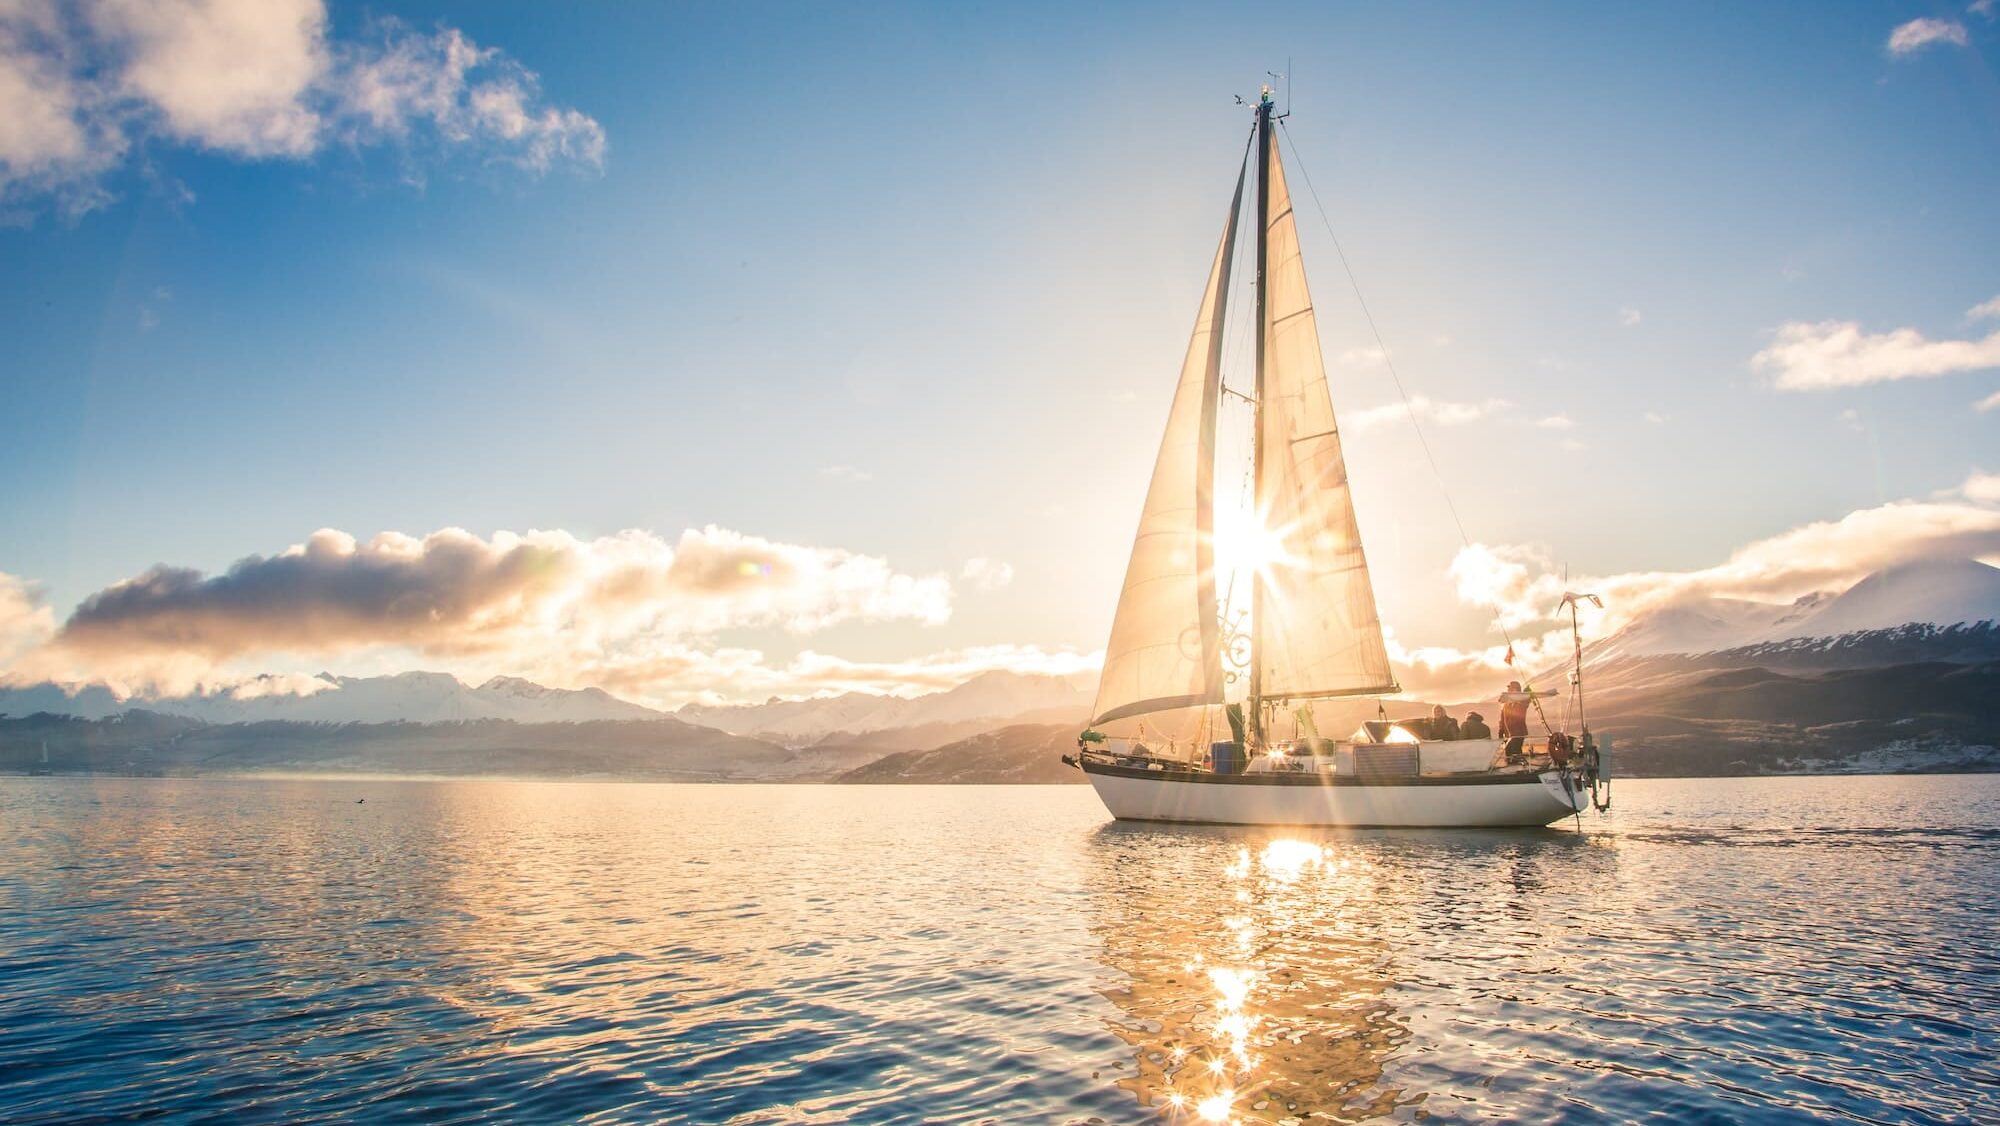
(719, 352)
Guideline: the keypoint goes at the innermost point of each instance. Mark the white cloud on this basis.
(1814, 357)
(1989, 403)
(1363, 357)
(1981, 488)
(25, 622)
(1981, 8)
(83, 85)
(465, 94)
(1851, 419)
(1629, 317)
(987, 574)
(542, 602)
(1985, 310)
(1556, 422)
(1909, 38)
(1440, 412)
(229, 75)
(1656, 418)
(846, 473)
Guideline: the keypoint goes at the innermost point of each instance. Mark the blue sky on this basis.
(913, 283)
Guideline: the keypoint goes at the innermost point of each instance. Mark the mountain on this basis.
(661, 748)
(1014, 754)
(411, 697)
(1700, 626)
(1940, 592)
(988, 700)
(1936, 592)
(1929, 716)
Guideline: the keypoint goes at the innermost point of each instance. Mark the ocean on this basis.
(1772, 950)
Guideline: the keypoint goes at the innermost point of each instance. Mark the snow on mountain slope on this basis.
(411, 697)
(1693, 627)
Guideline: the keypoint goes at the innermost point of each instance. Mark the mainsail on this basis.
(1163, 661)
(1319, 633)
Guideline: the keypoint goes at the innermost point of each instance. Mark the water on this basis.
(1777, 949)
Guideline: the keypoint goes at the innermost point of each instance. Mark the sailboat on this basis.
(1164, 743)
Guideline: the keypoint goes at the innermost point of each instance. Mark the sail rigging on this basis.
(1315, 630)
(1319, 633)
(1165, 649)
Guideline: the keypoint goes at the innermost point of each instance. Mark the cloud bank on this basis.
(547, 603)
(85, 87)
(1816, 357)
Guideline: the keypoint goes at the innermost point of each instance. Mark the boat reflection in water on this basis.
(1273, 978)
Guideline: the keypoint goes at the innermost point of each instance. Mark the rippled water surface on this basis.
(443, 951)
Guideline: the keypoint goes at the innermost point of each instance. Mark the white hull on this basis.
(1485, 802)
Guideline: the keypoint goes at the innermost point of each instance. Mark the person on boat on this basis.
(1514, 719)
(1442, 725)
(1475, 727)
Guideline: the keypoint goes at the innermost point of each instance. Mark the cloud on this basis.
(25, 622)
(1909, 38)
(401, 82)
(1656, 418)
(1426, 409)
(228, 75)
(1981, 488)
(987, 574)
(1556, 422)
(545, 601)
(1814, 357)
(1851, 419)
(846, 473)
(1629, 317)
(1985, 310)
(1989, 403)
(1521, 585)
(85, 85)
(1363, 357)
(1981, 8)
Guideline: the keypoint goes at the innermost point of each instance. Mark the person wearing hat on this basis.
(1474, 727)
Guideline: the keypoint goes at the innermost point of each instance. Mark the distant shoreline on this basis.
(337, 776)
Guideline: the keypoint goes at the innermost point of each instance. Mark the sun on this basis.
(1247, 543)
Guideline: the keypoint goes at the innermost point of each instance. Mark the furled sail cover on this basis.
(1164, 652)
(1322, 636)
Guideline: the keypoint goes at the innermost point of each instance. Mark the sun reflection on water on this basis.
(1265, 1008)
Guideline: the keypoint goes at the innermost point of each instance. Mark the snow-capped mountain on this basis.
(995, 697)
(1941, 593)
(411, 697)
(1935, 613)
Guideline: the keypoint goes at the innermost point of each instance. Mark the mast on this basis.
(1258, 505)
